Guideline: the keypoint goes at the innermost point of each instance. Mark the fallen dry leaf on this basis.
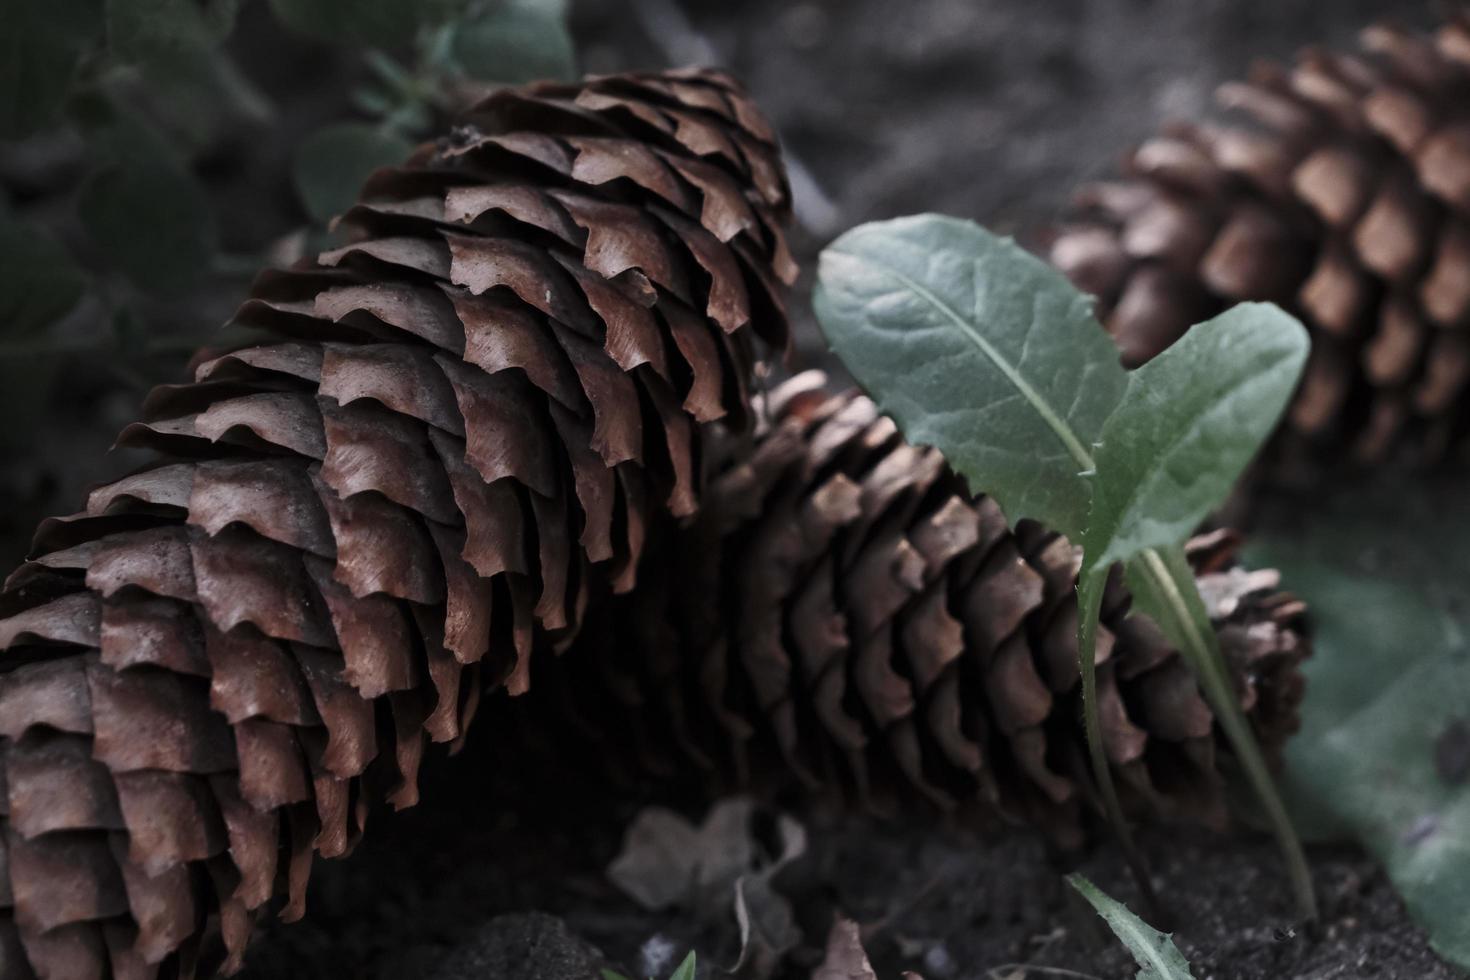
(711, 869)
(767, 928)
(846, 959)
(665, 860)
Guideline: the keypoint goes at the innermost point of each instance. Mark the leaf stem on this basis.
(1203, 655)
(1089, 609)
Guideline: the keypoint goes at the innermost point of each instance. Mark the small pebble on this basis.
(938, 961)
(656, 953)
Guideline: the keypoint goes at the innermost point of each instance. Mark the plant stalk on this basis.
(1173, 582)
(1089, 609)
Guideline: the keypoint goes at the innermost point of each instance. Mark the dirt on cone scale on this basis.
(844, 610)
(1338, 187)
(453, 430)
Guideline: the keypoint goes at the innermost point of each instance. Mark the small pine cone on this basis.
(1344, 196)
(459, 427)
(841, 608)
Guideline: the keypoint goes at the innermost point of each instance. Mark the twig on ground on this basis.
(994, 973)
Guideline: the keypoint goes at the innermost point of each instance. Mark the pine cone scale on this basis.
(58, 786)
(62, 879)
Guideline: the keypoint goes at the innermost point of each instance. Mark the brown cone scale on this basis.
(1339, 187)
(843, 609)
(453, 430)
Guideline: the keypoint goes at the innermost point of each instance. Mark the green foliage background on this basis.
(1384, 750)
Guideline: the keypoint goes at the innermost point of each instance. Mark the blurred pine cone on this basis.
(844, 609)
(460, 425)
(1342, 192)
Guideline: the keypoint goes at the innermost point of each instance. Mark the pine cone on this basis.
(459, 427)
(843, 609)
(1345, 197)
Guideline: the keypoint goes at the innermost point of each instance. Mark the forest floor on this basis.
(428, 893)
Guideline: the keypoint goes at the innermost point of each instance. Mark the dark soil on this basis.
(421, 897)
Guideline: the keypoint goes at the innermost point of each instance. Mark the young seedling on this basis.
(980, 349)
(1157, 956)
(1189, 423)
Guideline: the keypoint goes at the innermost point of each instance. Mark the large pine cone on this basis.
(460, 425)
(1344, 195)
(844, 609)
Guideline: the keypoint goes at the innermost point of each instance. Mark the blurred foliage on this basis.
(38, 280)
(332, 163)
(44, 43)
(1383, 755)
(142, 90)
(519, 37)
(160, 30)
(147, 217)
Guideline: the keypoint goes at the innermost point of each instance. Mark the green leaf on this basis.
(39, 283)
(685, 970)
(161, 30)
(1154, 951)
(1189, 422)
(515, 41)
(979, 348)
(332, 163)
(41, 44)
(1381, 755)
(612, 975)
(151, 220)
(389, 23)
